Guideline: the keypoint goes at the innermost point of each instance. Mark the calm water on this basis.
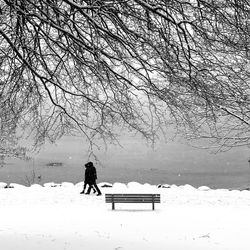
(171, 163)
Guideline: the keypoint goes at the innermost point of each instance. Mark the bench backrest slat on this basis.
(132, 195)
(132, 201)
(132, 198)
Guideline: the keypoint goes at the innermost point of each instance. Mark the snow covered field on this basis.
(57, 218)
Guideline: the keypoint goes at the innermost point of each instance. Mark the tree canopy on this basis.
(8, 139)
(100, 66)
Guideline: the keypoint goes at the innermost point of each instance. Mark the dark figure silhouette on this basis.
(86, 181)
(90, 178)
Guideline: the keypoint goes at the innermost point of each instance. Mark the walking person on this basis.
(90, 177)
(87, 181)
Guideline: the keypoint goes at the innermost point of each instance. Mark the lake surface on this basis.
(171, 163)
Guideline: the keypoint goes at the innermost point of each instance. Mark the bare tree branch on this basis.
(94, 67)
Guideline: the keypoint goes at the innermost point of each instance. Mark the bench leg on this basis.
(153, 202)
(113, 206)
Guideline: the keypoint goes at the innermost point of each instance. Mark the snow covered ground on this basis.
(58, 217)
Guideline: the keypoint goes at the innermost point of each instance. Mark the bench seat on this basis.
(132, 198)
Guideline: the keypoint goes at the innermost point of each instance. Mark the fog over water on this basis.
(166, 163)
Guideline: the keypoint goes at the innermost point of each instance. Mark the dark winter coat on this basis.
(90, 175)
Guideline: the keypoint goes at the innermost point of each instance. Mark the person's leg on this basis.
(84, 187)
(97, 189)
(89, 189)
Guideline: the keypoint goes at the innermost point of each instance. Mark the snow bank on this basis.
(52, 184)
(80, 184)
(3, 185)
(204, 188)
(56, 216)
(119, 187)
(36, 186)
(105, 185)
(67, 184)
(15, 185)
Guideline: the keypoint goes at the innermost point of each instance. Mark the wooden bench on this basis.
(132, 198)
